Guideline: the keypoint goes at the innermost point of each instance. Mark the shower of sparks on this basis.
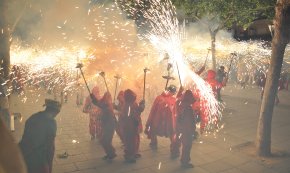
(53, 68)
(165, 37)
(112, 42)
(49, 69)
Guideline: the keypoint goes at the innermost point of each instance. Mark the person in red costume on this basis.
(130, 113)
(211, 80)
(95, 115)
(199, 111)
(186, 120)
(197, 106)
(161, 120)
(108, 124)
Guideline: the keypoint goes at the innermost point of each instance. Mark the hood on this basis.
(96, 92)
(166, 94)
(188, 97)
(211, 74)
(107, 98)
(129, 96)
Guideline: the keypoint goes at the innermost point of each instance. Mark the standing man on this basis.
(220, 77)
(108, 124)
(80, 94)
(130, 113)
(95, 113)
(161, 120)
(186, 120)
(215, 84)
(37, 143)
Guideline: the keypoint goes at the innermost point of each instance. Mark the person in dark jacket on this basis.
(37, 143)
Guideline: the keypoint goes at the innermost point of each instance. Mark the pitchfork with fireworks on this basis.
(80, 66)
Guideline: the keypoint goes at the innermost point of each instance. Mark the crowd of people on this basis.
(171, 116)
(174, 115)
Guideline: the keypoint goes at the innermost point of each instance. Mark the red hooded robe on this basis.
(185, 125)
(211, 75)
(130, 114)
(161, 120)
(94, 113)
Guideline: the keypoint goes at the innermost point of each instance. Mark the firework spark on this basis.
(165, 37)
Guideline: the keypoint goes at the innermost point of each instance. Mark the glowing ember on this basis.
(159, 165)
(75, 141)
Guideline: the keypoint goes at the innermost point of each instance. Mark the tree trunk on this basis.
(279, 42)
(11, 158)
(4, 41)
(213, 39)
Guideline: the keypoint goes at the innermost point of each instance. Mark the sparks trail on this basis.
(164, 36)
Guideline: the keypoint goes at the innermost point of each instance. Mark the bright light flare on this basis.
(165, 37)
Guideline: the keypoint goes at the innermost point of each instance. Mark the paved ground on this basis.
(211, 153)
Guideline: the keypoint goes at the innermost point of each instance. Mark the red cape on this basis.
(161, 120)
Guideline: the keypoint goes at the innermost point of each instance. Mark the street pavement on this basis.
(230, 150)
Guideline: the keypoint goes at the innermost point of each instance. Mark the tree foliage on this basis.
(224, 13)
(219, 14)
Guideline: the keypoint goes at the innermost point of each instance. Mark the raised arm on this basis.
(200, 70)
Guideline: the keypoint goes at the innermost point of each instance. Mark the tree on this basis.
(4, 40)
(10, 156)
(6, 35)
(219, 14)
(279, 42)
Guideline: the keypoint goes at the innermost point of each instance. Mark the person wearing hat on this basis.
(37, 143)
(161, 120)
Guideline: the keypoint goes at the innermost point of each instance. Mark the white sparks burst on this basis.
(164, 36)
